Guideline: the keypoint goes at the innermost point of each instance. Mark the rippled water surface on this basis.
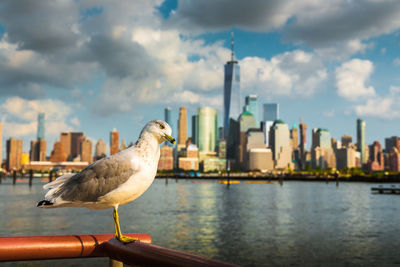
(298, 223)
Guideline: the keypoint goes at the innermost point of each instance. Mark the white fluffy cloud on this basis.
(342, 50)
(351, 79)
(183, 65)
(295, 73)
(386, 107)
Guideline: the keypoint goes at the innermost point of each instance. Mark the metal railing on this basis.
(142, 252)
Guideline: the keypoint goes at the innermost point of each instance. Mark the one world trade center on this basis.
(231, 91)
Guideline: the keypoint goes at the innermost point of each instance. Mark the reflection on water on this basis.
(310, 224)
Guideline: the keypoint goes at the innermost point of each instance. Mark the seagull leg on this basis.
(118, 234)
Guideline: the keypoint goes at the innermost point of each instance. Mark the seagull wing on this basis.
(98, 179)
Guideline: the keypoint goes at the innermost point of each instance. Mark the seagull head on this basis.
(161, 130)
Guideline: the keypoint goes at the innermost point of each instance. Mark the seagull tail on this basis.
(44, 204)
(52, 197)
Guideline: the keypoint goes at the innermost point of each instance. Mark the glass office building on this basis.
(251, 105)
(271, 112)
(232, 106)
(40, 128)
(207, 129)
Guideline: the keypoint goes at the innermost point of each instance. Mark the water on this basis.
(299, 223)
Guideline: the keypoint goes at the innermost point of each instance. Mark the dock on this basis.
(386, 190)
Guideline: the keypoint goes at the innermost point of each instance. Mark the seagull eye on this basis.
(161, 126)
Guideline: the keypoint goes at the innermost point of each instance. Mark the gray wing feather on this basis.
(96, 180)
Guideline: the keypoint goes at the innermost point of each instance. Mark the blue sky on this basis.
(97, 65)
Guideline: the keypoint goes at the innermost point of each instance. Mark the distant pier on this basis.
(386, 190)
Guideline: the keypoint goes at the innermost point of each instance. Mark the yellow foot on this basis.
(127, 239)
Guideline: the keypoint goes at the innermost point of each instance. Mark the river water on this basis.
(293, 224)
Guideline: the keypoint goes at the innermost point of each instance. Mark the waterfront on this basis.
(298, 223)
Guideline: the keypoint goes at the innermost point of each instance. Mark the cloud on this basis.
(295, 73)
(171, 65)
(343, 50)
(75, 121)
(256, 15)
(321, 25)
(396, 62)
(196, 98)
(327, 24)
(25, 72)
(43, 26)
(381, 107)
(351, 78)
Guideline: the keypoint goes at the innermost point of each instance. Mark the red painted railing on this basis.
(141, 253)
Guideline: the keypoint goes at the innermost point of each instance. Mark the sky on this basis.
(96, 65)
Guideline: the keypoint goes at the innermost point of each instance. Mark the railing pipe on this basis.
(142, 254)
(56, 247)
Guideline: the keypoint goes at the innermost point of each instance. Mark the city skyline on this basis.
(171, 57)
(246, 146)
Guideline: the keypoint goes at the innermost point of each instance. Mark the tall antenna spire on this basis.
(232, 45)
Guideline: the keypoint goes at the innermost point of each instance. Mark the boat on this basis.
(228, 181)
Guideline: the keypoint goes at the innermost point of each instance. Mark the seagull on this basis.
(114, 180)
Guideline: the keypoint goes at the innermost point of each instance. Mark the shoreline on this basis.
(284, 177)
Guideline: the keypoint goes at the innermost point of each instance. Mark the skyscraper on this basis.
(233, 140)
(251, 105)
(58, 154)
(266, 127)
(270, 115)
(280, 144)
(321, 138)
(322, 153)
(14, 154)
(376, 158)
(207, 129)
(294, 136)
(77, 139)
(194, 128)
(391, 142)
(231, 90)
(361, 140)
(86, 151)
(303, 141)
(182, 127)
(65, 139)
(303, 136)
(347, 140)
(167, 115)
(166, 161)
(114, 142)
(271, 112)
(40, 128)
(246, 121)
(38, 150)
(100, 149)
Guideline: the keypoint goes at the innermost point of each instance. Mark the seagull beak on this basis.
(170, 139)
